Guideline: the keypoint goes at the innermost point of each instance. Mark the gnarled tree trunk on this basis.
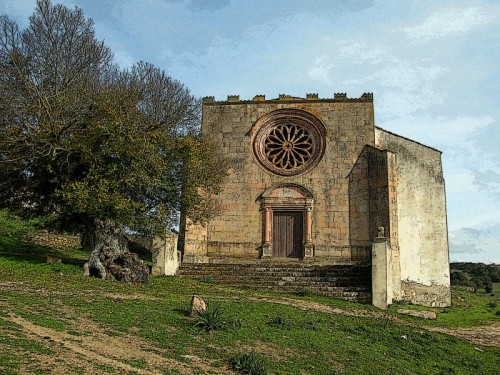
(109, 257)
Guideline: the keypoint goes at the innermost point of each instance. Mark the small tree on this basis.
(91, 147)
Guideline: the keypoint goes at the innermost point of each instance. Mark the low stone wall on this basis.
(53, 240)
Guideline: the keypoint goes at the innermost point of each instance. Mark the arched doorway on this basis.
(287, 222)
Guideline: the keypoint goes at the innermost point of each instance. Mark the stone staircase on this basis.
(349, 282)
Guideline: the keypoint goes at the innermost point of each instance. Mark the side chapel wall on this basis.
(421, 216)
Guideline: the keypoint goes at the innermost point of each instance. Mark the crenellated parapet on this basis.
(208, 99)
(337, 97)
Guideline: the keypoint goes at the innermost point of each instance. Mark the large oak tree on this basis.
(92, 147)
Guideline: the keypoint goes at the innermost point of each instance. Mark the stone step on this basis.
(253, 269)
(346, 282)
(352, 282)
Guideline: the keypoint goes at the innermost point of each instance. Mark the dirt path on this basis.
(94, 350)
(83, 344)
(485, 335)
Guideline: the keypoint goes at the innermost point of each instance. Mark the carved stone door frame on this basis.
(286, 197)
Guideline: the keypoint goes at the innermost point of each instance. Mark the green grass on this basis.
(467, 310)
(496, 289)
(291, 340)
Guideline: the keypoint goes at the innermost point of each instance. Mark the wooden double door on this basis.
(288, 234)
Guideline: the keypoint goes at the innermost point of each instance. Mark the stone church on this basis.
(315, 183)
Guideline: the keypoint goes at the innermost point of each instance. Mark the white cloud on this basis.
(359, 52)
(448, 22)
(321, 69)
(478, 244)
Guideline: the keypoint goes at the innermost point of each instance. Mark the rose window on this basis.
(288, 141)
(288, 146)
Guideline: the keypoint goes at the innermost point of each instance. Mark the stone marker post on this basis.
(166, 258)
(381, 266)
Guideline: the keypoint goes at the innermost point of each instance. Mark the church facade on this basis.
(316, 181)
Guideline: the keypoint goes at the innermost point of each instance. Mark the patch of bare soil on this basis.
(319, 307)
(84, 344)
(89, 347)
(486, 336)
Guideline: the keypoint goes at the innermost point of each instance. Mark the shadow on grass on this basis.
(182, 312)
(15, 249)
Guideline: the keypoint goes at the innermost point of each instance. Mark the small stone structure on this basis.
(382, 291)
(314, 180)
(166, 257)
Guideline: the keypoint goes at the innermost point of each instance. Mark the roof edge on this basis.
(408, 139)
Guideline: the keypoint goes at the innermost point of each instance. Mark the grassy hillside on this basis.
(54, 320)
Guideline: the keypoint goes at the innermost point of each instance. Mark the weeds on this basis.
(208, 280)
(311, 325)
(280, 322)
(304, 292)
(250, 363)
(210, 320)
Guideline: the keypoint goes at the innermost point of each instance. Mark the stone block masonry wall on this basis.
(194, 242)
(53, 240)
(422, 228)
(238, 231)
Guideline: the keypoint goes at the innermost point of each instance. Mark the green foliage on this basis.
(249, 363)
(14, 227)
(461, 278)
(476, 275)
(476, 272)
(81, 139)
(210, 320)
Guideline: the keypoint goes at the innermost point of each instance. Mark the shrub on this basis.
(250, 363)
(210, 320)
(208, 280)
(304, 292)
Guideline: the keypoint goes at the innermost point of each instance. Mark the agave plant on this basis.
(250, 363)
(210, 320)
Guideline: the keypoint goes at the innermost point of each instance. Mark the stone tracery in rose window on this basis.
(288, 146)
(289, 142)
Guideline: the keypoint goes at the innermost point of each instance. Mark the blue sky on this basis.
(433, 67)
